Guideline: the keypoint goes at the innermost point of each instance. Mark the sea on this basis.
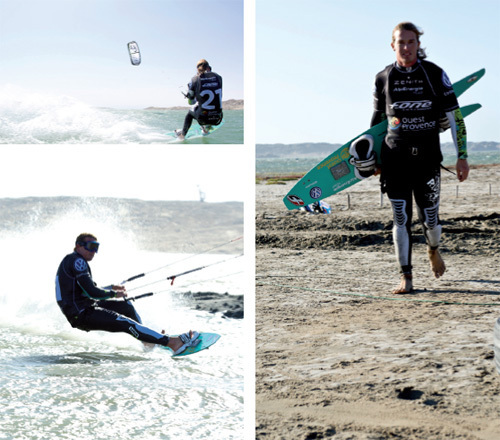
(33, 118)
(59, 382)
(292, 165)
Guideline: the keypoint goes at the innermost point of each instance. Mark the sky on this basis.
(316, 62)
(142, 172)
(78, 48)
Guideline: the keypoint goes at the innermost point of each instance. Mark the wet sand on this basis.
(339, 356)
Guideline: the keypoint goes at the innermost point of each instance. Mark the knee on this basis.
(399, 213)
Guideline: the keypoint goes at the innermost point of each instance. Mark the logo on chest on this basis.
(411, 105)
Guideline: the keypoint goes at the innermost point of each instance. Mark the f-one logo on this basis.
(297, 201)
(412, 105)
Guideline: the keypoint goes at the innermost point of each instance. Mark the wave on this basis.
(28, 117)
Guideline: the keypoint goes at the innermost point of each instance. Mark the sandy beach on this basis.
(339, 356)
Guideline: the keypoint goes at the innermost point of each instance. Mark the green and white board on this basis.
(195, 131)
(206, 341)
(336, 173)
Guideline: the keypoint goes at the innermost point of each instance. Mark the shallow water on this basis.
(303, 165)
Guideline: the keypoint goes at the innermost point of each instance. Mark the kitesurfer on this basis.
(88, 307)
(204, 90)
(416, 98)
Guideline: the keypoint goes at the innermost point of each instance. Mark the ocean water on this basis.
(269, 166)
(33, 118)
(59, 382)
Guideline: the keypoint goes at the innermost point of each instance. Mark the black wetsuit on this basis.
(206, 89)
(413, 100)
(88, 307)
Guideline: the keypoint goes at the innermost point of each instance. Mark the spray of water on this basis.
(34, 245)
(33, 250)
(30, 117)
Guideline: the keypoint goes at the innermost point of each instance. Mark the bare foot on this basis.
(406, 284)
(175, 342)
(437, 264)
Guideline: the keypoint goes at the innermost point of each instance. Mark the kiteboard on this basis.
(206, 341)
(337, 172)
(134, 52)
(196, 131)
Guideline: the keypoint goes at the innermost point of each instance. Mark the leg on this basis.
(107, 319)
(401, 233)
(397, 182)
(188, 120)
(427, 195)
(122, 308)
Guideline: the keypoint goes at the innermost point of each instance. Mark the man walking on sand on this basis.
(416, 98)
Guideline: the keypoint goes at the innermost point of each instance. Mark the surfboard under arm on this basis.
(335, 173)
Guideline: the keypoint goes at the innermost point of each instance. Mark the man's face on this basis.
(406, 46)
(88, 250)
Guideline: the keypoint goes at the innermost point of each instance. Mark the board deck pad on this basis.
(335, 173)
(196, 131)
(207, 340)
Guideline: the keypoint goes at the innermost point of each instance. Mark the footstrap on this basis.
(363, 157)
(187, 340)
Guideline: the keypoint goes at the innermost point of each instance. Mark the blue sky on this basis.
(78, 48)
(316, 61)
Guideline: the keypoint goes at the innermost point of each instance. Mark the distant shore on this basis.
(230, 104)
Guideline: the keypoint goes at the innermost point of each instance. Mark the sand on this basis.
(338, 356)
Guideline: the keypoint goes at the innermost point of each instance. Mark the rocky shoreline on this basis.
(230, 306)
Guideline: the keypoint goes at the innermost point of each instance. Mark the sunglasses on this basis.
(91, 246)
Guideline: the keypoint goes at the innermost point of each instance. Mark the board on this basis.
(196, 131)
(206, 341)
(336, 173)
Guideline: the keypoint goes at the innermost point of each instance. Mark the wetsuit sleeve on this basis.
(84, 280)
(458, 132)
(379, 114)
(191, 94)
(92, 291)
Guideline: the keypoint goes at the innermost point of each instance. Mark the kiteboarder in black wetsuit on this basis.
(205, 90)
(88, 307)
(417, 99)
